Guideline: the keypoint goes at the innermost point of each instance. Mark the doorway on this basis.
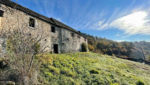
(55, 48)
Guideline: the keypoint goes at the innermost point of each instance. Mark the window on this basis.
(78, 36)
(32, 22)
(1, 13)
(53, 29)
(72, 34)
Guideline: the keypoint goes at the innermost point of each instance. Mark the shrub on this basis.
(48, 73)
(54, 70)
(21, 49)
(67, 72)
(36, 47)
(3, 63)
(94, 71)
(140, 83)
(90, 47)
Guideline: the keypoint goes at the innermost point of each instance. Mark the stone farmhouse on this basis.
(60, 37)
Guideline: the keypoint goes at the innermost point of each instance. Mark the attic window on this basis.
(32, 22)
(53, 29)
(78, 36)
(72, 34)
(1, 13)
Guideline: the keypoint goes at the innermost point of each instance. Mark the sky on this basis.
(119, 20)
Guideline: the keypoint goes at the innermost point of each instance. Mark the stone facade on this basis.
(59, 38)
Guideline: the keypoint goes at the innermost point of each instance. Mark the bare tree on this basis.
(22, 46)
(21, 49)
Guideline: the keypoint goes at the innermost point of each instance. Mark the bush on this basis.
(3, 63)
(54, 70)
(36, 47)
(94, 71)
(67, 72)
(90, 47)
(140, 83)
(21, 49)
(49, 74)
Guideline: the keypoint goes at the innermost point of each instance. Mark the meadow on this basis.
(91, 69)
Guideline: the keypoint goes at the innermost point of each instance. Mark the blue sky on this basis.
(120, 20)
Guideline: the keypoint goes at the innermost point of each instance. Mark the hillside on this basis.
(91, 69)
(109, 47)
(126, 50)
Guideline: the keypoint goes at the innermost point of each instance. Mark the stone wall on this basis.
(14, 19)
(67, 40)
(71, 42)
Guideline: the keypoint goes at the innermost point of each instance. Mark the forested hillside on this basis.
(127, 50)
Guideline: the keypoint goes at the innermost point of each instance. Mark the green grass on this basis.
(91, 69)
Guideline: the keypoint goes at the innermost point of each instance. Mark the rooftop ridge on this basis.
(63, 25)
(37, 15)
(24, 9)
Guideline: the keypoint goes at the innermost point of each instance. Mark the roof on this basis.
(37, 15)
(60, 24)
(25, 10)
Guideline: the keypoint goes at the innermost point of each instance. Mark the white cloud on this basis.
(102, 25)
(134, 23)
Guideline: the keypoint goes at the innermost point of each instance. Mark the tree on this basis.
(90, 47)
(21, 49)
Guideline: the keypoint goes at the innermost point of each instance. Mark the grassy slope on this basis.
(91, 69)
